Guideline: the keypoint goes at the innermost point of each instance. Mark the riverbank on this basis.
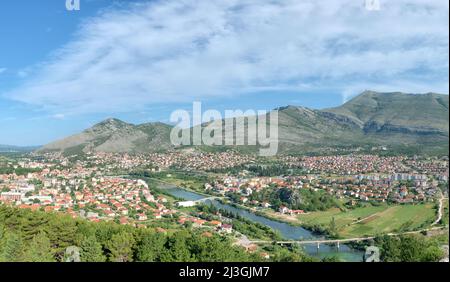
(316, 230)
(363, 221)
(356, 222)
(287, 231)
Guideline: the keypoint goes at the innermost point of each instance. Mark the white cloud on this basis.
(22, 73)
(58, 116)
(172, 51)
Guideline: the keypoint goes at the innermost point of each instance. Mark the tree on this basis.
(91, 250)
(35, 231)
(121, 247)
(390, 248)
(30, 223)
(39, 249)
(432, 253)
(408, 248)
(284, 255)
(411, 248)
(333, 227)
(11, 247)
(214, 249)
(151, 247)
(61, 232)
(178, 250)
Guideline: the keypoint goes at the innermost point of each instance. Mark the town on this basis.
(122, 188)
(90, 188)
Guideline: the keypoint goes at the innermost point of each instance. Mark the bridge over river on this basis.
(191, 203)
(338, 241)
(208, 199)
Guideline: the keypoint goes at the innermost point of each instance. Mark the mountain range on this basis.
(415, 123)
(16, 149)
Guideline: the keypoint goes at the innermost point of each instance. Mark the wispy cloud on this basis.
(2, 70)
(58, 116)
(172, 51)
(22, 73)
(7, 119)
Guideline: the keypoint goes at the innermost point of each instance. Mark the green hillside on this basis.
(398, 122)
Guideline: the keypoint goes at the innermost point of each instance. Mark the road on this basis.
(441, 208)
(334, 241)
(362, 219)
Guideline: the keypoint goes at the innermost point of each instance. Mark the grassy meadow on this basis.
(372, 220)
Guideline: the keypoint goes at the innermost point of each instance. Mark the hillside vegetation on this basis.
(35, 236)
(402, 123)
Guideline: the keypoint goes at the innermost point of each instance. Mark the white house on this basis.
(186, 204)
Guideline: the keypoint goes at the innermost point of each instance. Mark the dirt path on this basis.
(362, 219)
(440, 211)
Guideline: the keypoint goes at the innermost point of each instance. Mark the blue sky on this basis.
(62, 71)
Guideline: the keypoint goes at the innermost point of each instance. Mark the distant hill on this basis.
(398, 112)
(113, 135)
(16, 149)
(399, 120)
(412, 123)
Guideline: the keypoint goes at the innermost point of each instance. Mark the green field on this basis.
(372, 220)
(341, 218)
(187, 184)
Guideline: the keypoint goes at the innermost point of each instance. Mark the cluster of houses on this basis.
(366, 164)
(200, 161)
(187, 160)
(347, 164)
(84, 191)
(376, 187)
(244, 187)
(198, 222)
(76, 192)
(381, 188)
(286, 210)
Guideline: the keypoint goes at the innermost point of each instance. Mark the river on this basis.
(345, 253)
